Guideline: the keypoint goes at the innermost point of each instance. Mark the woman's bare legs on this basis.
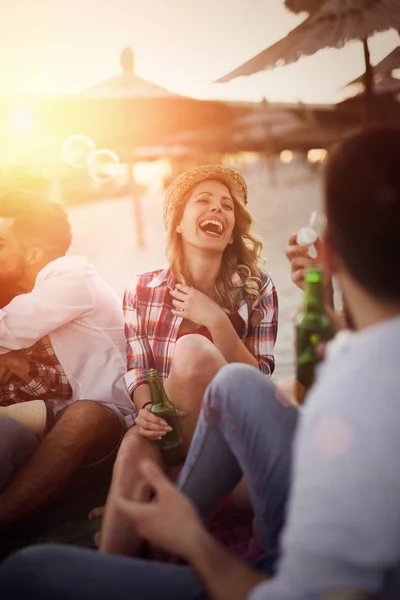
(195, 363)
(117, 535)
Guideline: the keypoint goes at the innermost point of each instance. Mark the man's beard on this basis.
(7, 293)
(9, 281)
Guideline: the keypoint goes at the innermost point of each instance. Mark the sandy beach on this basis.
(105, 233)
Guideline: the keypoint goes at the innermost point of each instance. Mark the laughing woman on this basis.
(213, 305)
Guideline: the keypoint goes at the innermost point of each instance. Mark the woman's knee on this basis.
(134, 447)
(195, 357)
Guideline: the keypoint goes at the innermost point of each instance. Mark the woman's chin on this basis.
(204, 244)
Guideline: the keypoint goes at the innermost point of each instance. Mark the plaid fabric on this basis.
(46, 379)
(151, 329)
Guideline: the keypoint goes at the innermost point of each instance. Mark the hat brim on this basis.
(182, 185)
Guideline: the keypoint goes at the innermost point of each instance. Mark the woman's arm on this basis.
(263, 326)
(228, 342)
(139, 360)
(139, 355)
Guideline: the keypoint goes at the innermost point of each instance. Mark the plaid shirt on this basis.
(46, 379)
(151, 329)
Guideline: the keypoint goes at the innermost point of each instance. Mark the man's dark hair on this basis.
(37, 221)
(362, 195)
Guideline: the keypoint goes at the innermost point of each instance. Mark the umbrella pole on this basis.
(137, 208)
(368, 83)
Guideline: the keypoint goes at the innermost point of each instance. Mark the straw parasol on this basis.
(130, 113)
(118, 92)
(383, 68)
(127, 84)
(332, 25)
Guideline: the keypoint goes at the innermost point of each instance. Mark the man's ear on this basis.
(34, 255)
(178, 229)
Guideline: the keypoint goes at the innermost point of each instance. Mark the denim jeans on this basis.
(243, 429)
(17, 443)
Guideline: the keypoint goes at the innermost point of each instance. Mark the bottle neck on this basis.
(314, 297)
(155, 390)
(158, 395)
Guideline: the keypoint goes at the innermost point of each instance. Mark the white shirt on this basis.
(343, 525)
(83, 319)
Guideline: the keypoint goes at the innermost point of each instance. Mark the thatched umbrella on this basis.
(383, 68)
(332, 25)
(132, 113)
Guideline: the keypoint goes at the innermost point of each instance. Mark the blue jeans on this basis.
(17, 443)
(243, 429)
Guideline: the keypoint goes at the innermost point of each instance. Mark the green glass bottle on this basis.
(171, 444)
(313, 329)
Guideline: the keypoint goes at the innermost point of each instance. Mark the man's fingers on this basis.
(96, 512)
(133, 510)
(155, 477)
(298, 277)
(302, 262)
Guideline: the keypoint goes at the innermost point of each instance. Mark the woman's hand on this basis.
(195, 306)
(152, 427)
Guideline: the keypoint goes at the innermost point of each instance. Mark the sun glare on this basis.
(20, 118)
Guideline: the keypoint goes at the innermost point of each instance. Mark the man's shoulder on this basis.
(361, 377)
(66, 266)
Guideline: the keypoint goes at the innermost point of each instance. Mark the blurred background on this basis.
(103, 104)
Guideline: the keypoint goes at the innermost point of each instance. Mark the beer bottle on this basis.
(313, 329)
(171, 443)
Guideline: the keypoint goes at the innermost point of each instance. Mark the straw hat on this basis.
(186, 181)
(32, 415)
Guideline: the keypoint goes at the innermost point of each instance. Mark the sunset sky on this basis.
(65, 46)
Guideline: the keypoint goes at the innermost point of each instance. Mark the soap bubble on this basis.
(103, 165)
(77, 150)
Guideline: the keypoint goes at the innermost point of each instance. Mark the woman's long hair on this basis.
(243, 256)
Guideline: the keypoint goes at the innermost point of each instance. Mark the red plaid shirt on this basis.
(46, 379)
(151, 329)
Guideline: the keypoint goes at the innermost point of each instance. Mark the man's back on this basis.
(83, 318)
(343, 529)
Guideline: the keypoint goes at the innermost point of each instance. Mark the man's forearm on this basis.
(224, 576)
(229, 344)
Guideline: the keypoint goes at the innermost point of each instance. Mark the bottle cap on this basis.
(306, 236)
